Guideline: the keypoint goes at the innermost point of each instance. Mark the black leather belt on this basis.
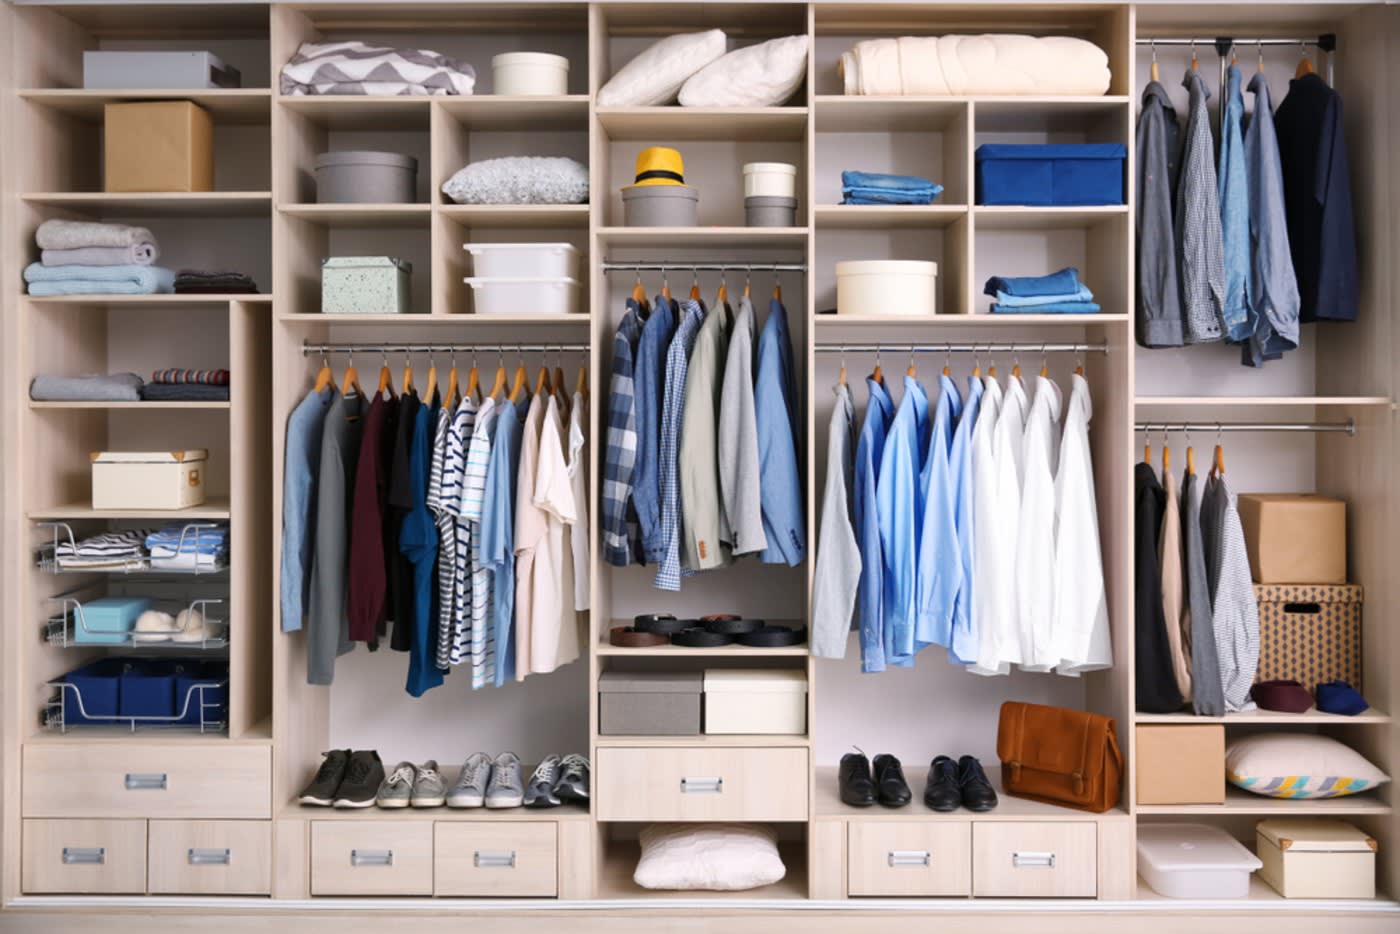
(697, 638)
(632, 638)
(719, 617)
(770, 637)
(661, 623)
(732, 625)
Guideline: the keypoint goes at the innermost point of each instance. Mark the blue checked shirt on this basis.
(649, 378)
(668, 571)
(621, 535)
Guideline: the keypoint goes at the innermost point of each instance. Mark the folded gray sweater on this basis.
(74, 235)
(138, 254)
(118, 387)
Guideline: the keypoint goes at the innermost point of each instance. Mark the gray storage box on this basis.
(364, 285)
(660, 206)
(770, 211)
(185, 71)
(649, 703)
(364, 177)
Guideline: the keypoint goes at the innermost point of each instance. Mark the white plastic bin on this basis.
(524, 296)
(523, 260)
(887, 287)
(1194, 861)
(528, 73)
(770, 180)
(756, 701)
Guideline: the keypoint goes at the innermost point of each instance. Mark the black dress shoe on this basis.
(857, 788)
(941, 792)
(890, 786)
(977, 793)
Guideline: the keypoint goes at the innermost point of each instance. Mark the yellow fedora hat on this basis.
(660, 165)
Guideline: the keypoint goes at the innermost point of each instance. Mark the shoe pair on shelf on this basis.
(861, 789)
(558, 781)
(346, 779)
(495, 783)
(410, 785)
(950, 784)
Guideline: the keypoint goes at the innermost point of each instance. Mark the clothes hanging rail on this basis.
(946, 347)
(1224, 45)
(309, 349)
(1347, 427)
(651, 265)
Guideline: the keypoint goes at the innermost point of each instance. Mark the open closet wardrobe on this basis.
(687, 465)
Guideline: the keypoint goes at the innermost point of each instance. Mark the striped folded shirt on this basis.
(183, 539)
(176, 375)
(121, 543)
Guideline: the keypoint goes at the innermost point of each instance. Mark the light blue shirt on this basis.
(498, 531)
(1274, 301)
(1234, 212)
(299, 501)
(962, 647)
(774, 404)
(899, 503)
(939, 564)
(870, 597)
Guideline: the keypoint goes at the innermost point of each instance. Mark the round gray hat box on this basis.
(770, 211)
(365, 177)
(660, 206)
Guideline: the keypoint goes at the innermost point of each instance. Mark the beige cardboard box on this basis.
(1181, 764)
(1309, 633)
(1314, 857)
(148, 479)
(1295, 538)
(158, 146)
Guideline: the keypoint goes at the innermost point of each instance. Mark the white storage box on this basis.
(1316, 857)
(148, 479)
(755, 701)
(523, 260)
(525, 73)
(1193, 861)
(770, 180)
(524, 296)
(364, 285)
(182, 71)
(887, 287)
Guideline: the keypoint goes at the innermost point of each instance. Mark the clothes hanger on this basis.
(777, 287)
(694, 284)
(748, 275)
(517, 387)
(911, 371)
(406, 383)
(1218, 467)
(665, 285)
(1190, 457)
(639, 291)
(386, 378)
(1156, 75)
(473, 378)
(325, 377)
(559, 370)
(1166, 452)
(841, 373)
(1044, 368)
(1078, 366)
(1260, 46)
(452, 398)
(878, 375)
(992, 367)
(1195, 62)
(947, 360)
(1305, 65)
(431, 389)
(723, 290)
(976, 365)
(581, 385)
(352, 378)
(1015, 365)
(544, 384)
(1147, 447)
(500, 381)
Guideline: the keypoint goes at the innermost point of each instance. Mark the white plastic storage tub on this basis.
(523, 260)
(1194, 861)
(887, 287)
(755, 701)
(524, 296)
(148, 479)
(529, 73)
(770, 180)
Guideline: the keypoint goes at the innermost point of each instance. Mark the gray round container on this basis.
(770, 211)
(363, 177)
(660, 206)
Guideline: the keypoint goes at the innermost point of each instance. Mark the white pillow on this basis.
(1299, 765)
(656, 75)
(715, 857)
(763, 75)
(519, 180)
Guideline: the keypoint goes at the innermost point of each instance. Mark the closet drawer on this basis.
(688, 783)
(210, 857)
(1035, 859)
(86, 857)
(147, 780)
(506, 858)
(925, 858)
(371, 857)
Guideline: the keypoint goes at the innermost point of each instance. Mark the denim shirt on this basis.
(1273, 294)
(901, 511)
(1158, 289)
(775, 410)
(498, 532)
(1234, 212)
(870, 592)
(962, 644)
(649, 380)
(939, 564)
(299, 501)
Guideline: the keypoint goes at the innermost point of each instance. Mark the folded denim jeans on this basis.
(1064, 282)
(887, 182)
(881, 196)
(1059, 308)
(1027, 301)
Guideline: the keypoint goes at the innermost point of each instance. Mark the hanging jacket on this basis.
(962, 645)
(879, 410)
(668, 565)
(775, 404)
(1158, 291)
(1234, 211)
(901, 509)
(1197, 224)
(939, 561)
(1170, 575)
(704, 527)
(738, 439)
(1079, 610)
(1035, 540)
(836, 576)
(1197, 628)
(1273, 288)
(300, 476)
(1156, 690)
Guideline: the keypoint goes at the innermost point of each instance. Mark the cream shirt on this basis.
(531, 526)
(553, 585)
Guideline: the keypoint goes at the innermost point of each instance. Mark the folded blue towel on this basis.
(1064, 282)
(1059, 308)
(98, 280)
(1026, 301)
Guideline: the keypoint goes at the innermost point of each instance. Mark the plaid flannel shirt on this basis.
(621, 533)
(669, 571)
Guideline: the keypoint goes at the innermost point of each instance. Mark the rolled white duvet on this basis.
(987, 64)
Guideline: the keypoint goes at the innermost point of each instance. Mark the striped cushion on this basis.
(1299, 765)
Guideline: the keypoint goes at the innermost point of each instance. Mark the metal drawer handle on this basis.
(900, 859)
(210, 857)
(84, 856)
(371, 857)
(702, 785)
(147, 781)
(1033, 860)
(494, 859)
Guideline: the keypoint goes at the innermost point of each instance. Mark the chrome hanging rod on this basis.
(986, 347)
(651, 265)
(1326, 42)
(308, 349)
(1347, 427)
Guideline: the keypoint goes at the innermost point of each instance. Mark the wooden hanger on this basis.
(777, 287)
(352, 379)
(543, 385)
(517, 387)
(1147, 448)
(1015, 368)
(639, 291)
(473, 381)
(878, 374)
(1044, 368)
(431, 389)
(1305, 67)
(1195, 62)
(581, 386)
(694, 286)
(1190, 460)
(406, 384)
(499, 384)
(747, 276)
(451, 398)
(665, 286)
(992, 369)
(1260, 66)
(1166, 455)
(911, 372)
(1218, 467)
(325, 377)
(1156, 75)
(386, 380)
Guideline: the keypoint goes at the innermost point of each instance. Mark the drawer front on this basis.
(86, 857)
(120, 780)
(1035, 859)
(928, 858)
(210, 857)
(686, 783)
(503, 859)
(371, 857)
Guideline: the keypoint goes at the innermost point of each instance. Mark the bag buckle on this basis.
(1078, 783)
(1015, 768)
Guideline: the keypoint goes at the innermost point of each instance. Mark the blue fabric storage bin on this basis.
(213, 699)
(148, 688)
(1051, 174)
(98, 685)
(108, 620)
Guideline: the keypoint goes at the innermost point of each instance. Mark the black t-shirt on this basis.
(400, 571)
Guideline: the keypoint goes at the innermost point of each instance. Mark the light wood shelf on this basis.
(837, 113)
(208, 301)
(225, 105)
(1261, 894)
(461, 320)
(1151, 402)
(731, 238)
(887, 217)
(1001, 217)
(1313, 717)
(1242, 802)
(351, 112)
(517, 215)
(361, 215)
(739, 740)
(214, 508)
(529, 112)
(158, 204)
(828, 803)
(981, 319)
(128, 405)
(702, 123)
(370, 815)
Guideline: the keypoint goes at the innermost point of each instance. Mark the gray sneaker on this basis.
(539, 792)
(573, 779)
(397, 789)
(428, 790)
(470, 789)
(505, 790)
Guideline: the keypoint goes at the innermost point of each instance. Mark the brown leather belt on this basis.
(632, 638)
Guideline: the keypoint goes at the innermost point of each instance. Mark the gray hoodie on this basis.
(1158, 292)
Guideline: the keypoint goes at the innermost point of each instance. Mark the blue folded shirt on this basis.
(1064, 282)
(187, 541)
(1058, 308)
(1030, 301)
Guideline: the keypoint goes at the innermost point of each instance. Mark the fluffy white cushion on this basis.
(519, 180)
(716, 857)
(763, 75)
(656, 75)
(153, 626)
(1299, 765)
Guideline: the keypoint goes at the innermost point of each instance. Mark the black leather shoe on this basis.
(890, 786)
(941, 792)
(857, 788)
(977, 793)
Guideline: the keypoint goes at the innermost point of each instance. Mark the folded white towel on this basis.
(73, 235)
(987, 64)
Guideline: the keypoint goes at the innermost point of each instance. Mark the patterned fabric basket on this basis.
(1310, 633)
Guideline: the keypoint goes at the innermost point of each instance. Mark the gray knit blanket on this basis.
(360, 68)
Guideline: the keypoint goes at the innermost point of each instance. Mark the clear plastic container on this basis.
(524, 296)
(523, 260)
(1194, 861)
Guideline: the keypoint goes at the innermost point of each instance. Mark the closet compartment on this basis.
(503, 859)
(619, 855)
(1035, 860)
(709, 782)
(944, 241)
(89, 857)
(371, 858)
(399, 233)
(1027, 241)
(551, 296)
(923, 137)
(209, 857)
(913, 858)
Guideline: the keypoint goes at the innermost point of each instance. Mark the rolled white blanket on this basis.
(74, 235)
(138, 254)
(986, 64)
